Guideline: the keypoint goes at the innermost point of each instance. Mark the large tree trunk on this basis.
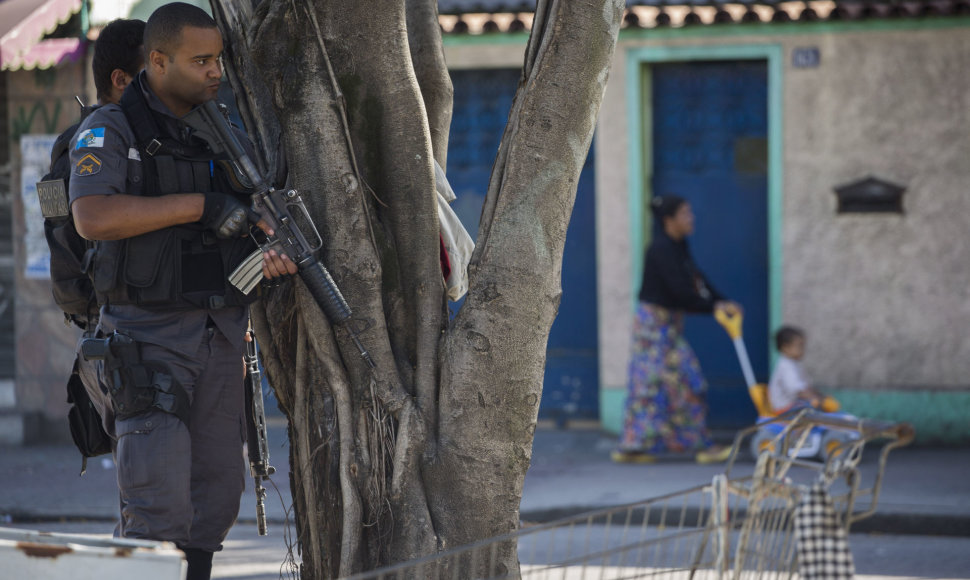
(430, 450)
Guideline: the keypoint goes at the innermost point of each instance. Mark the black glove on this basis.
(225, 215)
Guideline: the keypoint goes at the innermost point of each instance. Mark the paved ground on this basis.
(921, 528)
(247, 556)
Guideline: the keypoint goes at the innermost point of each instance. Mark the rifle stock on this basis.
(258, 444)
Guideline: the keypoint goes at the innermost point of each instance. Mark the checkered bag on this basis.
(821, 541)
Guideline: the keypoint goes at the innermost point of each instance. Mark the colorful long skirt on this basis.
(665, 407)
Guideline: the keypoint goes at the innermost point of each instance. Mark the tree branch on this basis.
(336, 379)
(486, 432)
(542, 23)
(253, 98)
(431, 71)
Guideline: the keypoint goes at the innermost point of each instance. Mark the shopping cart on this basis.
(739, 526)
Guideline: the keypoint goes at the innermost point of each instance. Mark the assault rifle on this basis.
(258, 444)
(286, 214)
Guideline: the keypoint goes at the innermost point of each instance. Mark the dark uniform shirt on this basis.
(671, 278)
(105, 161)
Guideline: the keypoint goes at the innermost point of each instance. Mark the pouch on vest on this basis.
(106, 257)
(203, 279)
(150, 267)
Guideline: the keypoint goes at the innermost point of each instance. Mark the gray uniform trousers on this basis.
(177, 483)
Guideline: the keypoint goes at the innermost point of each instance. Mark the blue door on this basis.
(710, 124)
(481, 109)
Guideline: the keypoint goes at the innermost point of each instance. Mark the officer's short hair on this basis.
(164, 27)
(786, 335)
(118, 47)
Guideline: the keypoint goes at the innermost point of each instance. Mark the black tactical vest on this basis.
(182, 266)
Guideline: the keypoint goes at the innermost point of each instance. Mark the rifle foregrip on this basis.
(325, 291)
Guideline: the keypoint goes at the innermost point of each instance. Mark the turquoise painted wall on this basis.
(939, 416)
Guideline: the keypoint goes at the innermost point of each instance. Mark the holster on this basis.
(134, 385)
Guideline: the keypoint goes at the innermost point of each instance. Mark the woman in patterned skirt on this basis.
(665, 407)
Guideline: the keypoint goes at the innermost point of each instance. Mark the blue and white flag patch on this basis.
(91, 138)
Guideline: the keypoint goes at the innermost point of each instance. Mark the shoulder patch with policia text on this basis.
(87, 165)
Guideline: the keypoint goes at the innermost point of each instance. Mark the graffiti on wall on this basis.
(46, 114)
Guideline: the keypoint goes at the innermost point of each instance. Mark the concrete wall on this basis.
(881, 295)
(41, 102)
(884, 297)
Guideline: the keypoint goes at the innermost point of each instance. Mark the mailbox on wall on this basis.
(870, 195)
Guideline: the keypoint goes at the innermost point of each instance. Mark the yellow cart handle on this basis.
(730, 321)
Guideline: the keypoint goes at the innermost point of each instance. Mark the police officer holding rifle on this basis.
(170, 225)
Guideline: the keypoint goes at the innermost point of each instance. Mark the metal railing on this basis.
(733, 528)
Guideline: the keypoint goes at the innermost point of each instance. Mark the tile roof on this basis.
(502, 6)
(515, 15)
(485, 6)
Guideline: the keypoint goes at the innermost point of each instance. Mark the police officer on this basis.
(169, 227)
(117, 59)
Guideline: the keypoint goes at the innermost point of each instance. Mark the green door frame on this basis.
(638, 93)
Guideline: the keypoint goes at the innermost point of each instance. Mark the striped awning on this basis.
(23, 23)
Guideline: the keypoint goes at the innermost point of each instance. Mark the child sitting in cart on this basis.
(788, 388)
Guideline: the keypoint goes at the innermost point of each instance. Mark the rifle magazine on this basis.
(249, 273)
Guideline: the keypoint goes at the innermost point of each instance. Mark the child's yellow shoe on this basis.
(713, 454)
(631, 457)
